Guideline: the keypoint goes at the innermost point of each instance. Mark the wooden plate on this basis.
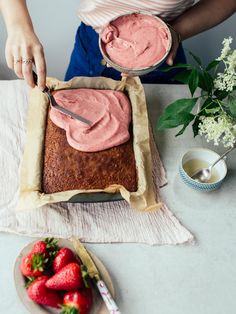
(34, 308)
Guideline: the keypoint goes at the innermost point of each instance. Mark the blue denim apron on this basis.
(86, 60)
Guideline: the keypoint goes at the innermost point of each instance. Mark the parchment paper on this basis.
(31, 195)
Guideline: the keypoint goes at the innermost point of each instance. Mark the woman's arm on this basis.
(202, 16)
(23, 46)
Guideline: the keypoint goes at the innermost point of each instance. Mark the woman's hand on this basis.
(174, 47)
(23, 49)
(200, 17)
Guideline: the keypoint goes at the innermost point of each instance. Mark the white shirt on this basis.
(98, 13)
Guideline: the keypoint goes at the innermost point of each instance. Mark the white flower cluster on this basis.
(226, 48)
(227, 80)
(219, 129)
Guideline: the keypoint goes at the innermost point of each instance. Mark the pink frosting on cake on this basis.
(109, 111)
(135, 41)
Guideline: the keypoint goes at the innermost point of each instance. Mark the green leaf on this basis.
(212, 65)
(177, 66)
(191, 117)
(206, 81)
(232, 105)
(177, 113)
(208, 108)
(206, 103)
(209, 103)
(182, 77)
(68, 309)
(182, 130)
(174, 121)
(196, 58)
(212, 110)
(193, 81)
(221, 94)
(195, 126)
(181, 105)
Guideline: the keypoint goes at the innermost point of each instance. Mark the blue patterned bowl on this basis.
(197, 158)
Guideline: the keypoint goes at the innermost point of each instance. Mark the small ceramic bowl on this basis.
(198, 158)
(136, 71)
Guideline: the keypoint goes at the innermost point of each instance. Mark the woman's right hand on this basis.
(23, 49)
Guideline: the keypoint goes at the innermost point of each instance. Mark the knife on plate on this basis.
(95, 276)
(57, 106)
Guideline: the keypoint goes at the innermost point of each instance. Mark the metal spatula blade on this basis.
(55, 105)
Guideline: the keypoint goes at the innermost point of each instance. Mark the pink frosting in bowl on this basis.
(135, 41)
(109, 111)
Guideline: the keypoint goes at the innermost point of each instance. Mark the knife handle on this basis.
(107, 298)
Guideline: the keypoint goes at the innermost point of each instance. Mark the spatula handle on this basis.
(107, 298)
(35, 77)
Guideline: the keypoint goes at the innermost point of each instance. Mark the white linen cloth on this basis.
(91, 222)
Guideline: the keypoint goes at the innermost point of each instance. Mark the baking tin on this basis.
(95, 197)
(136, 71)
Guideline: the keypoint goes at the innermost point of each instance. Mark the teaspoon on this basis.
(203, 175)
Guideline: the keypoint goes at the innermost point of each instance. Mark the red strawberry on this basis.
(49, 245)
(40, 247)
(63, 257)
(68, 278)
(40, 294)
(33, 264)
(78, 302)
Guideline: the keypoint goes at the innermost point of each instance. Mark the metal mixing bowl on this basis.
(136, 71)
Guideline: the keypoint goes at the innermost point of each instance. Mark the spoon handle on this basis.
(222, 156)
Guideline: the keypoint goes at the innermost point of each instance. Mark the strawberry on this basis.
(33, 265)
(77, 302)
(40, 294)
(68, 278)
(52, 245)
(40, 247)
(46, 247)
(63, 257)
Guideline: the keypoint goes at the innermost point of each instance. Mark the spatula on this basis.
(55, 105)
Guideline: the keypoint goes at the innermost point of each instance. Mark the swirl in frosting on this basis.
(135, 41)
(109, 111)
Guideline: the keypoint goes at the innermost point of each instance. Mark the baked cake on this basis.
(66, 168)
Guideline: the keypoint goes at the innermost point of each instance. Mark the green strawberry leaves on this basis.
(29, 280)
(85, 275)
(66, 309)
(39, 261)
(52, 244)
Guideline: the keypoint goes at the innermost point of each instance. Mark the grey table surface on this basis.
(185, 279)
